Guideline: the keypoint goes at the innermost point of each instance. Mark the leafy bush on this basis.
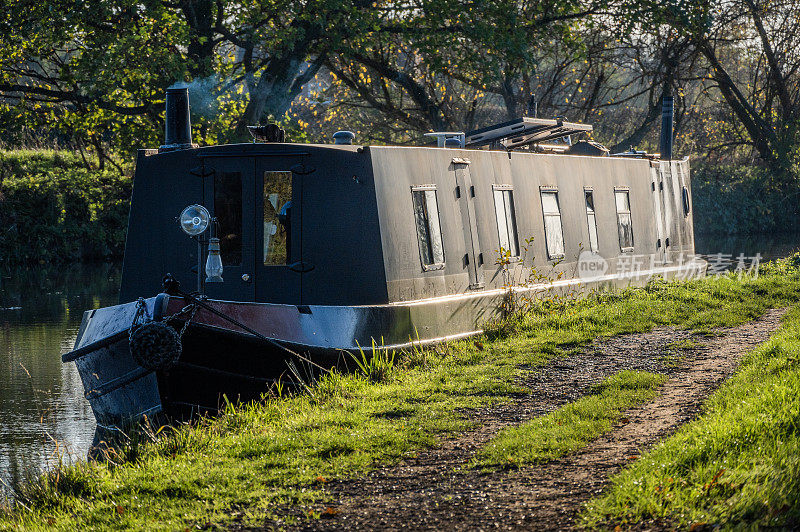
(742, 200)
(55, 209)
(785, 266)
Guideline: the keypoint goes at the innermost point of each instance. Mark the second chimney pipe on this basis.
(667, 113)
(178, 126)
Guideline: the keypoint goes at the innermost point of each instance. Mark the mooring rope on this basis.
(172, 286)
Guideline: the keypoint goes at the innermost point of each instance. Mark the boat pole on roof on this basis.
(667, 113)
(533, 106)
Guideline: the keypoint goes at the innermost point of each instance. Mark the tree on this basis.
(751, 52)
(452, 64)
(395, 70)
(97, 73)
(104, 67)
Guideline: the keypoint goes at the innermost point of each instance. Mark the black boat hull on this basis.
(220, 362)
(209, 374)
(216, 366)
(220, 366)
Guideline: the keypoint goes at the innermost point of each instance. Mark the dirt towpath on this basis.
(433, 492)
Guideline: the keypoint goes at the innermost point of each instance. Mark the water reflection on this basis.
(42, 409)
(772, 246)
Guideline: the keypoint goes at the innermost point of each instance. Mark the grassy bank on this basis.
(572, 426)
(54, 209)
(269, 459)
(739, 463)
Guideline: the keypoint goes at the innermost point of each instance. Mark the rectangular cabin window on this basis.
(553, 234)
(277, 217)
(591, 220)
(506, 219)
(429, 231)
(624, 224)
(685, 196)
(228, 211)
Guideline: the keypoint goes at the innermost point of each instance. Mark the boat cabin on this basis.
(344, 224)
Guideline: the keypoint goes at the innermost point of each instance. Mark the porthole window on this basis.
(591, 220)
(506, 218)
(553, 233)
(429, 232)
(624, 223)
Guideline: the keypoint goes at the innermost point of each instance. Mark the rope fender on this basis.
(154, 345)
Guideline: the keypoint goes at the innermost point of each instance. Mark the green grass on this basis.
(268, 459)
(572, 426)
(675, 352)
(737, 465)
(683, 345)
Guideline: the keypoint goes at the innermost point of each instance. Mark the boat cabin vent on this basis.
(448, 139)
(343, 137)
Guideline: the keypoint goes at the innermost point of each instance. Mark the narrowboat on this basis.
(241, 259)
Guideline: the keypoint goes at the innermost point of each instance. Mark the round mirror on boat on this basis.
(194, 220)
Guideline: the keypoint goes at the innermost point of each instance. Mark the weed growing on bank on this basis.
(270, 459)
(377, 365)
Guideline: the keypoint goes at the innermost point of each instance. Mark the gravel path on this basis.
(432, 492)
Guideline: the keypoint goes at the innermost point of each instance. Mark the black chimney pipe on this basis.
(178, 126)
(667, 113)
(533, 107)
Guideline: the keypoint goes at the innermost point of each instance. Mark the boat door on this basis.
(655, 187)
(278, 204)
(228, 193)
(663, 189)
(465, 195)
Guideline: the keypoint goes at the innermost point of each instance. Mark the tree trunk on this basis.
(281, 80)
(653, 112)
(758, 131)
(199, 16)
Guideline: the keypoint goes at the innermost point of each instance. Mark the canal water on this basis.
(767, 246)
(43, 415)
